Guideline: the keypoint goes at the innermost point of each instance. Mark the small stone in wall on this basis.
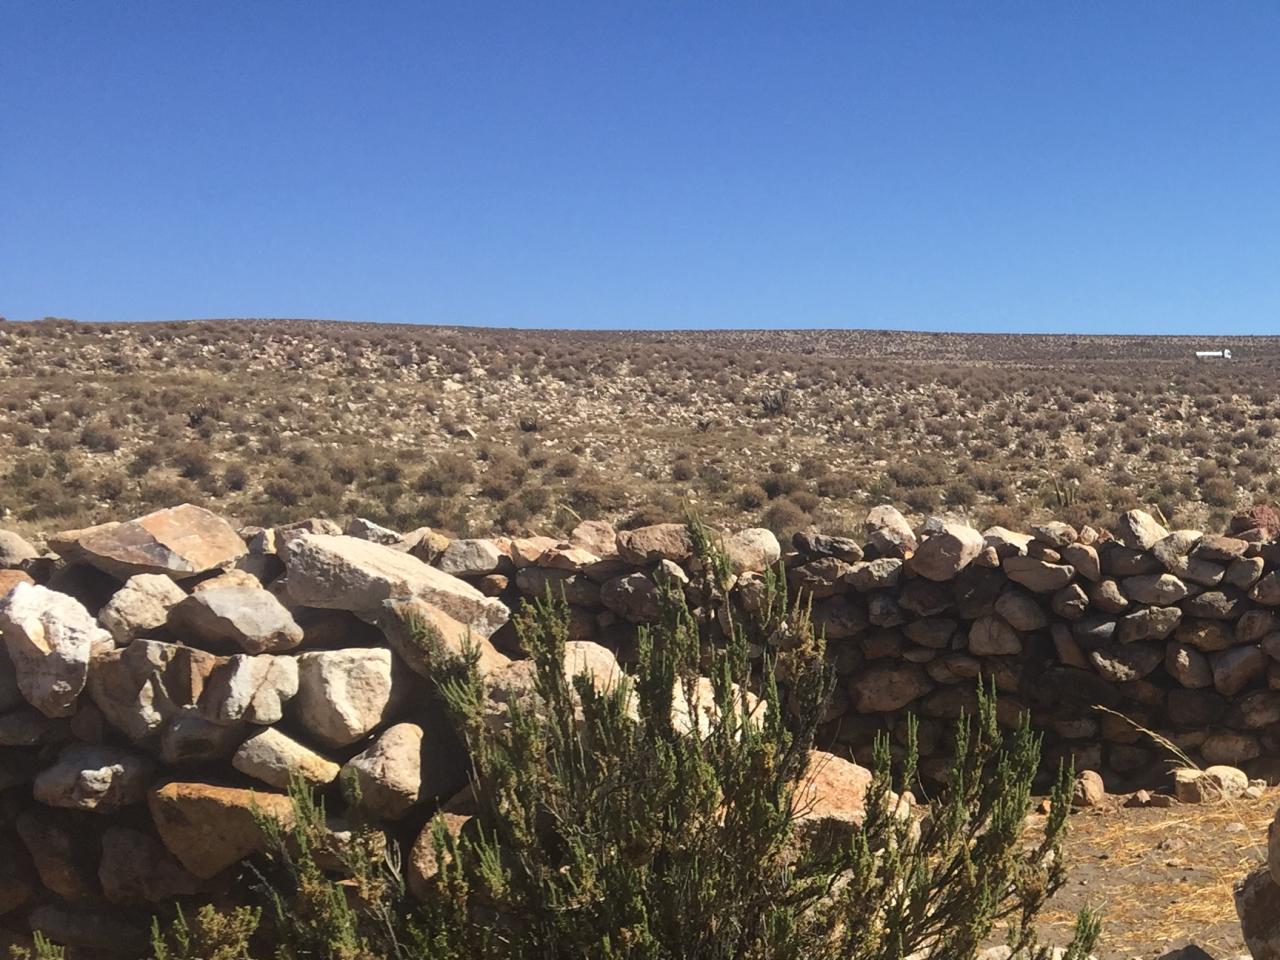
(140, 607)
(98, 778)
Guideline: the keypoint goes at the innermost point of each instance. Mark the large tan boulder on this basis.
(343, 573)
(180, 542)
(345, 694)
(830, 802)
(15, 551)
(947, 552)
(253, 689)
(209, 828)
(50, 638)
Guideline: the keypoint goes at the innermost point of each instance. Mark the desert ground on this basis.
(479, 431)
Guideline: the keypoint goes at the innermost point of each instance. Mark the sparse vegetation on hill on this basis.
(525, 431)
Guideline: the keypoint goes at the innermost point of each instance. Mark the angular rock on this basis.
(1159, 590)
(1235, 669)
(1225, 604)
(1020, 610)
(1255, 625)
(345, 694)
(818, 579)
(1084, 558)
(1120, 663)
(50, 638)
(1267, 590)
(190, 739)
(250, 689)
(363, 529)
(233, 615)
(136, 868)
(1138, 530)
(1188, 666)
(1207, 636)
(98, 778)
(1071, 602)
(433, 644)
(830, 803)
(275, 759)
(63, 856)
(1107, 596)
(661, 541)
(209, 828)
(472, 558)
(889, 532)
(1257, 899)
(180, 542)
(1148, 623)
(597, 536)
(1244, 573)
(1054, 533)
(839, 618)
(342, 573)
(867, 575)
(1005, 542)
(634, 597)
(142, 687)
(816, 545)
(1037, 575)
(140, 607)
(389, 773)
(424, 863)
(947, 552)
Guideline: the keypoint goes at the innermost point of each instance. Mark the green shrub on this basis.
(605, 828)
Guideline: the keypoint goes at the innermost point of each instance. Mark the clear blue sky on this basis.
(1020, 166)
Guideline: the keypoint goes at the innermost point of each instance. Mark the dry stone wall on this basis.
(162, 677)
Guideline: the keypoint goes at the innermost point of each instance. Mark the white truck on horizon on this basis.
(1213, 354)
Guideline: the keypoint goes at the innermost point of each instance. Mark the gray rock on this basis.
(1138, 530)
(252, 689)
(1038, 576)
(889, 532)
(752, 550)
(98, 778)
(884, 688)
(947, 552)
(363, 529)
(50, 638)
(142, 687)
(1257, 899)
(342, 573)
(1159, 590)
(238, 616)
(394, 772)
(1020, 610)
(472, 558)
(1188, 666)
(1149, 623)
(14, 551)
(1121, 663)
(140, 607)
(867, 575)
(1235, 669)
(189, 738)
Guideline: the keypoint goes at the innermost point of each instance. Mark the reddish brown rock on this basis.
(209, 828)
(181, 541)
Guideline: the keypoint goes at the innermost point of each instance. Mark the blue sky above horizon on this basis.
(993, 167)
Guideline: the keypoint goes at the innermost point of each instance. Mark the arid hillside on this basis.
(516, 431)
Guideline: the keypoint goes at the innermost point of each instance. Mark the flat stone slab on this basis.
(181, 542)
